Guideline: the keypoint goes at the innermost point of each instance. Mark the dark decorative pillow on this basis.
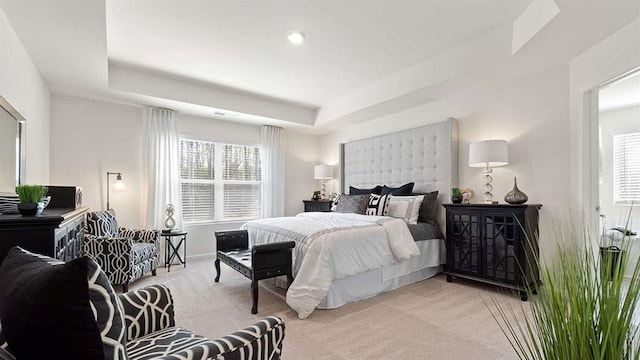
(428, 207)
(355, 191)
(403, 190)
(45, 308)
(102, 223)
(356, 204)
(378, 205)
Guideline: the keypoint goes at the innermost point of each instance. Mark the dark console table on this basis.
(57, 233)
(495, 244)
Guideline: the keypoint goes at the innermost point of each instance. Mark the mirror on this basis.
(12, 147)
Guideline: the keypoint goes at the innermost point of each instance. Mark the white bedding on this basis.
(332, 246)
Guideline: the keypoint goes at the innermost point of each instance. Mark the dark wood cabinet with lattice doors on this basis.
(495, 244)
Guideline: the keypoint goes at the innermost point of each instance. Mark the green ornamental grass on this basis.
(584, 307)
(31, 193)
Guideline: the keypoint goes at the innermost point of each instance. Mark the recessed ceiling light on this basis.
(296, 37)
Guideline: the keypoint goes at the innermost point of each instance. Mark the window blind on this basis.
(220, 181)
(626, 168)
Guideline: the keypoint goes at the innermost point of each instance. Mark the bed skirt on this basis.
(374, 282)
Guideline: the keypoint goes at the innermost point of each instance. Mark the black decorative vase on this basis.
(456, 199)
(516, 196)
(28, 209)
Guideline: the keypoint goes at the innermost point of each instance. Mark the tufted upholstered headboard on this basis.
(427, 155)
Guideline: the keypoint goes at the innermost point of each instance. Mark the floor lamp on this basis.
(118, 185)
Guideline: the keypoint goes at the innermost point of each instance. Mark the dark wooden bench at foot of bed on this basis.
(257, 263)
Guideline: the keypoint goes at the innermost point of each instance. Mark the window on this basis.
(626, 168)
(219, 181)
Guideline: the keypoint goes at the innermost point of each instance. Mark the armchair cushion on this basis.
(68, 309)
(102, 223)
(143, 251)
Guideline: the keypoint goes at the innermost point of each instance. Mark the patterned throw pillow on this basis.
(9, 204)
(378, 205)
(102, 223)
(406, 208)
(356, 204)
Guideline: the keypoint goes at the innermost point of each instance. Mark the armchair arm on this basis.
(262, 340)
(140, 235)
(113, 254)
(147, 310)
(232, 239)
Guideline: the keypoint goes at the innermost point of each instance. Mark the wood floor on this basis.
(431, 319)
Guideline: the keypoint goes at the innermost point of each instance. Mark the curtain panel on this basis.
(161, 168)
(273, 155)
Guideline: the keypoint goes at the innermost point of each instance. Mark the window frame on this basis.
(218, 182)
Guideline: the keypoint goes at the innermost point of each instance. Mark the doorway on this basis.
(619, 158)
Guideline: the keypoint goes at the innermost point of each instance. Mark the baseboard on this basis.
(201, 256)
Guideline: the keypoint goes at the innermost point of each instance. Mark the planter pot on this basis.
(28, 209)
(456, 199)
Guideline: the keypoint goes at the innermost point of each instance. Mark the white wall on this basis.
(22, 86)
(89, 138)
(610, 58)
(530, 113)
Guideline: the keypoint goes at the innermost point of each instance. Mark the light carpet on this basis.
(431, 319)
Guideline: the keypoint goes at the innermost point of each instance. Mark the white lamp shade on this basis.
(323, 172)
(488, 153)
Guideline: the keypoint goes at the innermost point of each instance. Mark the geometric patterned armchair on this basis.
(125, 255)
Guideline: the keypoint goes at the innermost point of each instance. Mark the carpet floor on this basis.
(431, 319)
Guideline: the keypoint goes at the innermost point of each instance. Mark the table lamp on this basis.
(488, 154)
(323, 172)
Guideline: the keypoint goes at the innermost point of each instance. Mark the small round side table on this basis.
(172, 250)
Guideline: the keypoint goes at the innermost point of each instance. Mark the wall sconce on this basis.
(323, 172)
(488, 154)
(118, 185)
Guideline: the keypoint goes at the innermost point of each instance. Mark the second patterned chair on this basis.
(123, 254)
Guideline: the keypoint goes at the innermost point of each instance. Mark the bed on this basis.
(360, 256)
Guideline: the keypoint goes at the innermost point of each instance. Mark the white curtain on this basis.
(273, 151)
(161, 167)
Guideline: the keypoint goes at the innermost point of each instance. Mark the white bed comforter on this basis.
(331, 246)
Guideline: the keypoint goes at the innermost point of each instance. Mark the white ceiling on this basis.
(361, 58)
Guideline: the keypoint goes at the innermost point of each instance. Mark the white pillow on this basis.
(406, 208)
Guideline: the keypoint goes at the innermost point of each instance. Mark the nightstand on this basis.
(495, 244)
(317, 205)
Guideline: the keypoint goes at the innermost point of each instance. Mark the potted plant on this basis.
(31, 197)
(456, 195)
(584, 308)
